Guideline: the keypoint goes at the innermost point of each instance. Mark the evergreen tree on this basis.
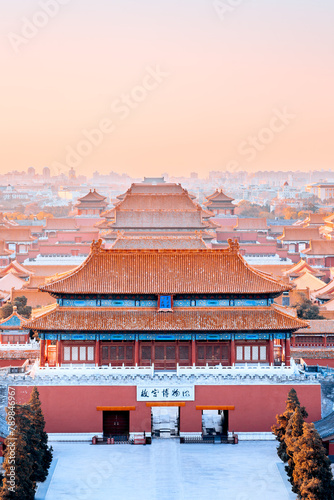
(42, 452)
(282, 421)
(18, 461)
(312, 473)
(294, 431)
(306, 309)
(21, 305)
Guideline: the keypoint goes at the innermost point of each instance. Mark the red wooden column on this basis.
(325, 340)
(97, 352)
(271, 351)
(136, 351)
(287, 352)
(232, 350)
(193, 350)
(58, 354)
(42, 352)
(282, 342)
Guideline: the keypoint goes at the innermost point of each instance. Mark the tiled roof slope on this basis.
(325, 426)
(160, 201)
(308, 280)
(63, 223)
(209, 319)
(302, 267)
(320, 247)
(165, 271)
(15, 234)
(183, 219)
(256, 224)
(159, 242)
(319, 326)
(92, 196)
(3, 249)
(15, 268)
(219, 196)
(163, 188)
(293, 233)
(326, 291)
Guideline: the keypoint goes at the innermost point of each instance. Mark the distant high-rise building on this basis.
(72, 174)
(31, 171)
(46, 173)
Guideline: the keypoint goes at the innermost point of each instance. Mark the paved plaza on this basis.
(166, 470)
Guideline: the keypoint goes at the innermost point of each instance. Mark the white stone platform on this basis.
(166, 470)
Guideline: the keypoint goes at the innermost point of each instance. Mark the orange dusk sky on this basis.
(144, 87)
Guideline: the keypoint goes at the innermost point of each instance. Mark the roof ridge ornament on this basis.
(233, 245)
(96, 246)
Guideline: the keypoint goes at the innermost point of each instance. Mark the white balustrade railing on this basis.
(30, 345)
(246, 369)
(91, 370)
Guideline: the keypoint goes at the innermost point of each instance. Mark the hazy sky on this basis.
(178, 86)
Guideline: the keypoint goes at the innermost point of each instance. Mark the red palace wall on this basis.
(72, 409)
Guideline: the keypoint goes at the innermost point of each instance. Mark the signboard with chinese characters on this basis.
(153, 393)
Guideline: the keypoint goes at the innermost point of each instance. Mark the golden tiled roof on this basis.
(187, 319)
(320, 247)
(61, 223)
(3, 249)
(112, 271)
(16, 234)
(159, 242)
(252, 224)
(293, 233)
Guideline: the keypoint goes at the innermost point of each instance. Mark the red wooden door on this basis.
(117, 354)
(52, 358)
(115, 423)
(165, 356)
(212, 354)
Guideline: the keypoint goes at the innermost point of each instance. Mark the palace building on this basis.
(91, 204)
(220, 204)
(184, 341)
(164, 307)
(156, 209)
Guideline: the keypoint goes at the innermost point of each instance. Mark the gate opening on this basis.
(215, 422)
(165, 421)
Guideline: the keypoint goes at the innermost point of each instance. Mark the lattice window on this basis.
(247, 352)
(90, 353)
(146, 352)
(239, 353)
(75, 352)
(255, 352)
(184, 352)
(67, 354)
(263, 353)
(129, 352)
(82, 353)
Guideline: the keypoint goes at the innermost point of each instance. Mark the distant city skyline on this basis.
(144, 87)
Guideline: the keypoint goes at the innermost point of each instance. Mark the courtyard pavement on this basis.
(166, 470)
